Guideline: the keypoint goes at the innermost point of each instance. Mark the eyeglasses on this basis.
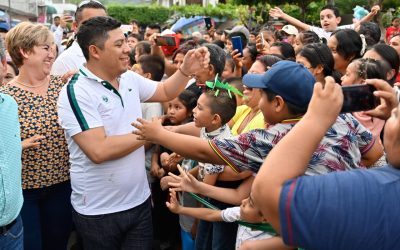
(87, 2)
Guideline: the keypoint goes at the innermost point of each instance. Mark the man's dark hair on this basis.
(95, 32)
(223, 104)
(335, 10)
(293, 109)
(56, 17)
(154, 26)
(217, 57)
(89, 5)
(154, 65)
(371, 31)
(242, 37)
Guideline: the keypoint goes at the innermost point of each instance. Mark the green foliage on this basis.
(147, 14)
(221, 10)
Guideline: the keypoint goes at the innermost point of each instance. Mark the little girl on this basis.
(166, 225)
(356, 73)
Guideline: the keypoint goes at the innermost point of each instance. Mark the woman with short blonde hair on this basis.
(46, 212)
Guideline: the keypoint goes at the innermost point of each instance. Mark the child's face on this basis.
(177, 112)
(132, 42)
(392, 138)
(395, 43)
(178, 60)
(202, 115)
(269, 37)
(297, 45)
(396, 22)
(329, 21)
(250, 213)
(340, 62)
(351, 76)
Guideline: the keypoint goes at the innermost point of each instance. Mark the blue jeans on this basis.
(13, 239)
(130, 229)
(46, 215)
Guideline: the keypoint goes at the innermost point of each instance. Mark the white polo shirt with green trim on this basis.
(88, 102)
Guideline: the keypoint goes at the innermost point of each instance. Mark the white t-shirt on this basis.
(70, 59)
(232, 214)
(326, 34)
(88, 102)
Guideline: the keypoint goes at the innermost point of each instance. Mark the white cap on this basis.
(290, 29)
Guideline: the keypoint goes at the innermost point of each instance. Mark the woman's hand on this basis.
(32, 142)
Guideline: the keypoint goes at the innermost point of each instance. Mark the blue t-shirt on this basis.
(357, 209)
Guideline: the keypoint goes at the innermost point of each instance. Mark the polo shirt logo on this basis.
(105, 98)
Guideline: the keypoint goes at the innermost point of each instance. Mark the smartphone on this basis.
(207, 21)
(165, 41)
(237, 44)
(359, 97)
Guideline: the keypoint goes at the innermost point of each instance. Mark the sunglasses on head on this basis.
(87, 2)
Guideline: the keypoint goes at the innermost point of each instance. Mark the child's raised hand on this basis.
(164, 182)
(237, 58)
(146, 130)
(326, 102)
(185, 182)
(262, 45)
(276, 12)
(375, 9)
(173, 204)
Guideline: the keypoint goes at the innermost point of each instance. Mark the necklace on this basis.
(29, 86)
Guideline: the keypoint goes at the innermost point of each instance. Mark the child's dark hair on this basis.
(307, 37)
(286, 49)
(372, 69)
(185, 47)
(371, 31)
(143, 47)
(335, 10)
(188, 99)
(349, 44)
(269, 60)
(389, 54)
(138, 37)
(222, 104)
(319, 54)
(293, 109)
(253, 52)
(154, 65)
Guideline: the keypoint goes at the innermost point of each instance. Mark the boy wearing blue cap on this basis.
(287, 89)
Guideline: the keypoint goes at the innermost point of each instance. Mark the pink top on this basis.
(374, 125)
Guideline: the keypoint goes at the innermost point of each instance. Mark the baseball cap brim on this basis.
(254, 81)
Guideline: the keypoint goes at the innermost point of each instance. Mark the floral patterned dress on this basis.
(47, 164)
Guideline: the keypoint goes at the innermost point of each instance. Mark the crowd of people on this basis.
(111, 141)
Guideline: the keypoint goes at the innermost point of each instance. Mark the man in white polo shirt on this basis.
(110, 194)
